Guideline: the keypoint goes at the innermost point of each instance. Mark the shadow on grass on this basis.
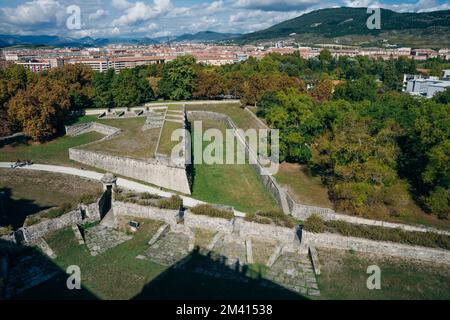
(203, 277)
(14, 212)
(32, 275)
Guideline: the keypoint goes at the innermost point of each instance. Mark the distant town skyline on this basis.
(164, 18)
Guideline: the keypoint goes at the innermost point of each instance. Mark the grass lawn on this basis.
(344, 277)
(131, 142)
(241, 117)
(29, 192)
(236, 185)
(115, 274)
(165, 143)
(302, 186)
(52, 152)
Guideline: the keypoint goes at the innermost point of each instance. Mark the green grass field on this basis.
(165, 143)
(237, 185)
(131, 142)
(302, 186)
(344, 277)
(52, 152)
(242, 119)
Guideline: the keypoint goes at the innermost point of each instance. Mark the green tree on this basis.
(177, 82)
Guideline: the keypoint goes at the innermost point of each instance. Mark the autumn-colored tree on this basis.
(323, 90)
(77, 78)
(208, 84)
(40, 109)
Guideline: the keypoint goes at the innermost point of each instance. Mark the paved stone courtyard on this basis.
(100, 238)
(169, 249)
(294, 271)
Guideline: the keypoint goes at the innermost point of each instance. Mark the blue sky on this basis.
(156, 18)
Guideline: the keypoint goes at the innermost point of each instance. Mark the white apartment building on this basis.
(425, 87)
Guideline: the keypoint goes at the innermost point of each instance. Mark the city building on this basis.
(425, 87)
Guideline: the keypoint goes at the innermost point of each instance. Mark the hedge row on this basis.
(275, 217)
(426, 239)
(208, 210)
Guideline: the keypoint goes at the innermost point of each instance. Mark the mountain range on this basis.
(332, 25)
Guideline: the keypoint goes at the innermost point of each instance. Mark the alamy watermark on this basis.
(374, 280)
(73, 21)
(374, 20)
(74, 280)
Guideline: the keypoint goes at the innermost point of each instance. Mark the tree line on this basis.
(376, 148)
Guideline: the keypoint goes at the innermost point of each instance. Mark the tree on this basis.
(102, 95)
(77, 78)
(208, 84)
(130, 90)
(40, 109)
(357, 90)
(177, 82)
(323, 90)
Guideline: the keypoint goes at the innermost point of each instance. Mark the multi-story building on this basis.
(426, 87)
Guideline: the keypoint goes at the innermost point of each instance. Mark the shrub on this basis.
(438, 202)
(174, 203)
(53, 213)
(211, 211)
(90, 198)
(6, 230)
(417, 238)
(276, 217)
(87, 225)
(147, 196)
(315, 224)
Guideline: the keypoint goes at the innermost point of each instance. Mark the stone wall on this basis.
(144, 212)
(263, 231)
(302, 212)
(204, 222)
(151, 170)
(45, 227)
(90, 127)
(327, 240)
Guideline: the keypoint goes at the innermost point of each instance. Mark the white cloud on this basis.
(34, 13)
(98, 14)
(275, 5)
(140, 11)
(121, 4)
(215, 7)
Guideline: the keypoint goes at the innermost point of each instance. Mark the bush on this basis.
(315, 224)
(276, 217)
(6, 230)
(438, 202)
(416, 238)
(211, 211)
(174, 203)
(90, 198)
(147, 196)
(53, 213)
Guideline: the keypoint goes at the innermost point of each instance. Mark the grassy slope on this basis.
(230, 184)
(304, 187)
(132, 142)
(165, 143)
(344, 277)
(52, 152)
